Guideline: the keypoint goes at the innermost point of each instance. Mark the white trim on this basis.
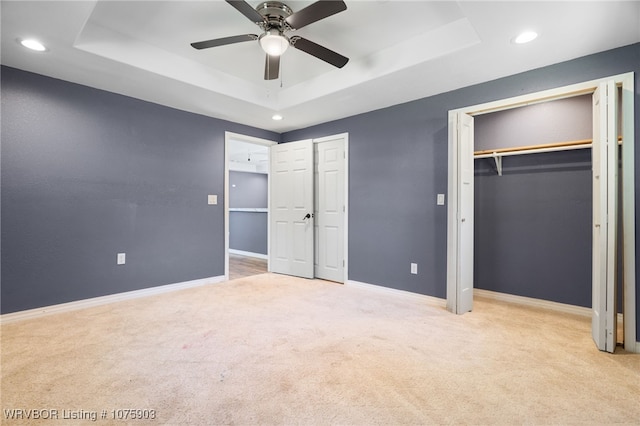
(431, 300)
(346, 206)
(628, 213)
(536, 303)
(626, 80)
(103, 300)
(228, 136)
(248, 254)
(563, 92)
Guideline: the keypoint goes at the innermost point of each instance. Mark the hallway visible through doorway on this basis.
(245, 266)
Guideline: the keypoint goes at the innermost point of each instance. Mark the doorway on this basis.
(246, 205)
(460, 212)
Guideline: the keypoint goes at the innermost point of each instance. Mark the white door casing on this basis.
(330, 209)
(291, 209)
(605, 178)
(460, 254)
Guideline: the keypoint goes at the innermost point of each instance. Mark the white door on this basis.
(465, 219)
(291, 207)
(329, 209)
(605, 170)
(460, 233)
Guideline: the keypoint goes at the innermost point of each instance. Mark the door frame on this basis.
(228, 137)
(345, 138)
(626, 81)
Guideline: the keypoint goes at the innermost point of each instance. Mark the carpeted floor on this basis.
(274, 350)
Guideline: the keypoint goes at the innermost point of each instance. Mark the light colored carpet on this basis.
(272, 349)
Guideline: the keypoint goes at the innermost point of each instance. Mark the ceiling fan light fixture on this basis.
(273, 42)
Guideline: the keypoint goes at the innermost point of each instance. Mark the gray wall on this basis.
(248, 190)
(398, 163)
(248, 230)
(533, 226)
(87, 174)
(563, 120)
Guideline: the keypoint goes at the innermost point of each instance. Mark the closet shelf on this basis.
(498, 153)
(249, 210)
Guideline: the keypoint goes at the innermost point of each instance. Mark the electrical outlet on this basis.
(414, 268)
(212, 199)
(122, 258)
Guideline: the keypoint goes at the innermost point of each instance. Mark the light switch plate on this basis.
(212, 199)
(414, 268)
(122, 258)
(440, 200)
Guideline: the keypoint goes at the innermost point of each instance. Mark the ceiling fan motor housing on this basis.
(275, 14)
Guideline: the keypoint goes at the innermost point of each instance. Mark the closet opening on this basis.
(533, 205)
(613, 204)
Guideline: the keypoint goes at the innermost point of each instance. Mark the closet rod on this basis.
(532, 149)
(584, 143)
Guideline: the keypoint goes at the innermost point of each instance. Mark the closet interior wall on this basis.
(533, 220)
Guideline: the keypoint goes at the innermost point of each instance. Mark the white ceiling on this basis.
(399, 51)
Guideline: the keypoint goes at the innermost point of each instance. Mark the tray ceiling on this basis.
(399, 51)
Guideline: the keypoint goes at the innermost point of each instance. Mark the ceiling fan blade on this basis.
(222, 41)
(246, 9)
(315, 12)
(271, 67)
(320, 52)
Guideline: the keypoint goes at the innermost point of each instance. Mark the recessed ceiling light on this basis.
(525, 37)
(276, 117)
(33, 44)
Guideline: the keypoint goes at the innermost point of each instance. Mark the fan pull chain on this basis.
(281, 71)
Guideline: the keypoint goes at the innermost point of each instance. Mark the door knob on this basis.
(307, 216)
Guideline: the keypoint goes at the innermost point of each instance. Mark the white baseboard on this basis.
(248, 254)
(435, 301)
(103, 300)
(536, 303)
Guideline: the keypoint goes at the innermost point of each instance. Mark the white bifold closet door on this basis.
(460, 250)
(605, 190)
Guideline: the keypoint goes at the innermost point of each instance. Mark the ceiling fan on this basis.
(276, 19)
